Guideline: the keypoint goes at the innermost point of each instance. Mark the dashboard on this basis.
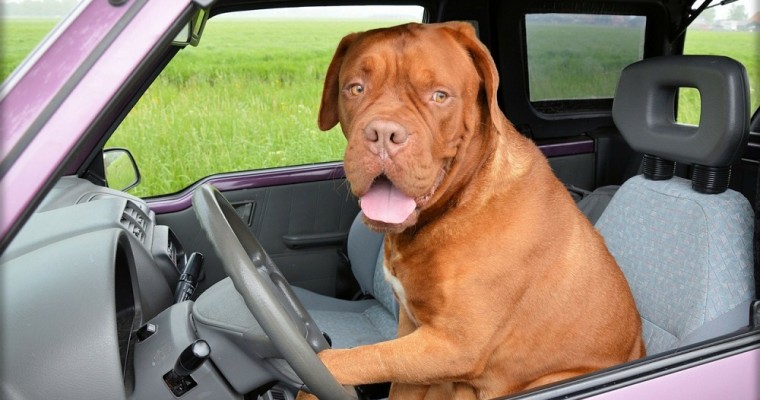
(86, 271)
(88, 312)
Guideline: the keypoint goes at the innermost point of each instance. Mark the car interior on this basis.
(219, 290)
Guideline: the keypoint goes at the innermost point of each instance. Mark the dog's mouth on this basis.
(386, 203)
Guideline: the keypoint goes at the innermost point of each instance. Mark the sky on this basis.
(349, 12)
(751, 6)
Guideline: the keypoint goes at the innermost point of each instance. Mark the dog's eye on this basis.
(439, 97)
(356, 89)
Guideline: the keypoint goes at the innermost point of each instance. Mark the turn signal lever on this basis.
(189, 278)
(178, 379)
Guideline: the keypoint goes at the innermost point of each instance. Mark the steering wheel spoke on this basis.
(267, 293)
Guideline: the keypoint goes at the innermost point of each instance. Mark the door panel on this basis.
(302, 226)
(576, 170)
(572, 159)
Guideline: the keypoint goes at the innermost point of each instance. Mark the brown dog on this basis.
(503, 284)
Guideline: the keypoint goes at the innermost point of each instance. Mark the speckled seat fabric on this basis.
(685, 246)
(687, 257)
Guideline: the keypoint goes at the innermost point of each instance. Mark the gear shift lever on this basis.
(178, 379)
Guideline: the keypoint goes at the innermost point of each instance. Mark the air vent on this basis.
(134, 220)
(277, 394)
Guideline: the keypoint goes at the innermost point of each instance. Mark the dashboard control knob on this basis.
(178, 379)
(192, 357)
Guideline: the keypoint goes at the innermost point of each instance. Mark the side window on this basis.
(730, 31)
(23, 24)
(246, 98)
(577, 58)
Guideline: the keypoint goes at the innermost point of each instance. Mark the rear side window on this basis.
(578, 57)
(730, 31)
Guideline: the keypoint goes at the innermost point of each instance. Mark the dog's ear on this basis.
(486, 67)
(328, 109)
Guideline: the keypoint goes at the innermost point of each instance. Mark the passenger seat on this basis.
(685, 246)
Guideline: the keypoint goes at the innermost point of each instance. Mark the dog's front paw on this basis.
(323, 355)
(305, 396)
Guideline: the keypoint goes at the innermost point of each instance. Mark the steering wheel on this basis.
(267, 293)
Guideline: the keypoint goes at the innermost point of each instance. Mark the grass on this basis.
(248, 96)
(19, 37)
(741, 46)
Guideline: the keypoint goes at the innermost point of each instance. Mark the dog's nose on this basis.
(386, 136)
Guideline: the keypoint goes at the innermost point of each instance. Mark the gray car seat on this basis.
(353, 323)
(685, 246)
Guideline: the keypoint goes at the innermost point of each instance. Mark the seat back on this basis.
(687, 257)
(685, 246)
(366, 252)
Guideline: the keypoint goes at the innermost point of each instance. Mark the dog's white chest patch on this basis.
(398, 290)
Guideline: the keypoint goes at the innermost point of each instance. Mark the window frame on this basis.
(554, 109)
(576, 105)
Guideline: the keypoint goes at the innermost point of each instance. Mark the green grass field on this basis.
(559, 66)
(248, 96)
(19, 37)
(741, 46)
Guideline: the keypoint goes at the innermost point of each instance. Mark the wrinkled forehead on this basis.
(422, 53)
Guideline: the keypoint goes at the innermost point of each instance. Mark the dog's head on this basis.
(411, 100)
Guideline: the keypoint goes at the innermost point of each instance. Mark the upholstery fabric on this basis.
(349, 323)
(363, 247)
(594, 203)
(381, 289)
(355, 323)
(687, 257)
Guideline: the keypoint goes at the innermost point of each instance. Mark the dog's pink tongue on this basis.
(387, 204)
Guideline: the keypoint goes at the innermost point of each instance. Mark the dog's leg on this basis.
(451, 390)
(305, 396)
(555, 377)
(440, 391)
(425, 356)
(406, 390)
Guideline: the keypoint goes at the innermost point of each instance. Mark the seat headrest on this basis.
(644, 109)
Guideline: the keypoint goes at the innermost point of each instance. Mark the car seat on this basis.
(685, 246)
(354, 323)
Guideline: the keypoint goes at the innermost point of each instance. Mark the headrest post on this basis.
(658, 169)
(710, 180)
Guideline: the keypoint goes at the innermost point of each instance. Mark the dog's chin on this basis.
(384, 227)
